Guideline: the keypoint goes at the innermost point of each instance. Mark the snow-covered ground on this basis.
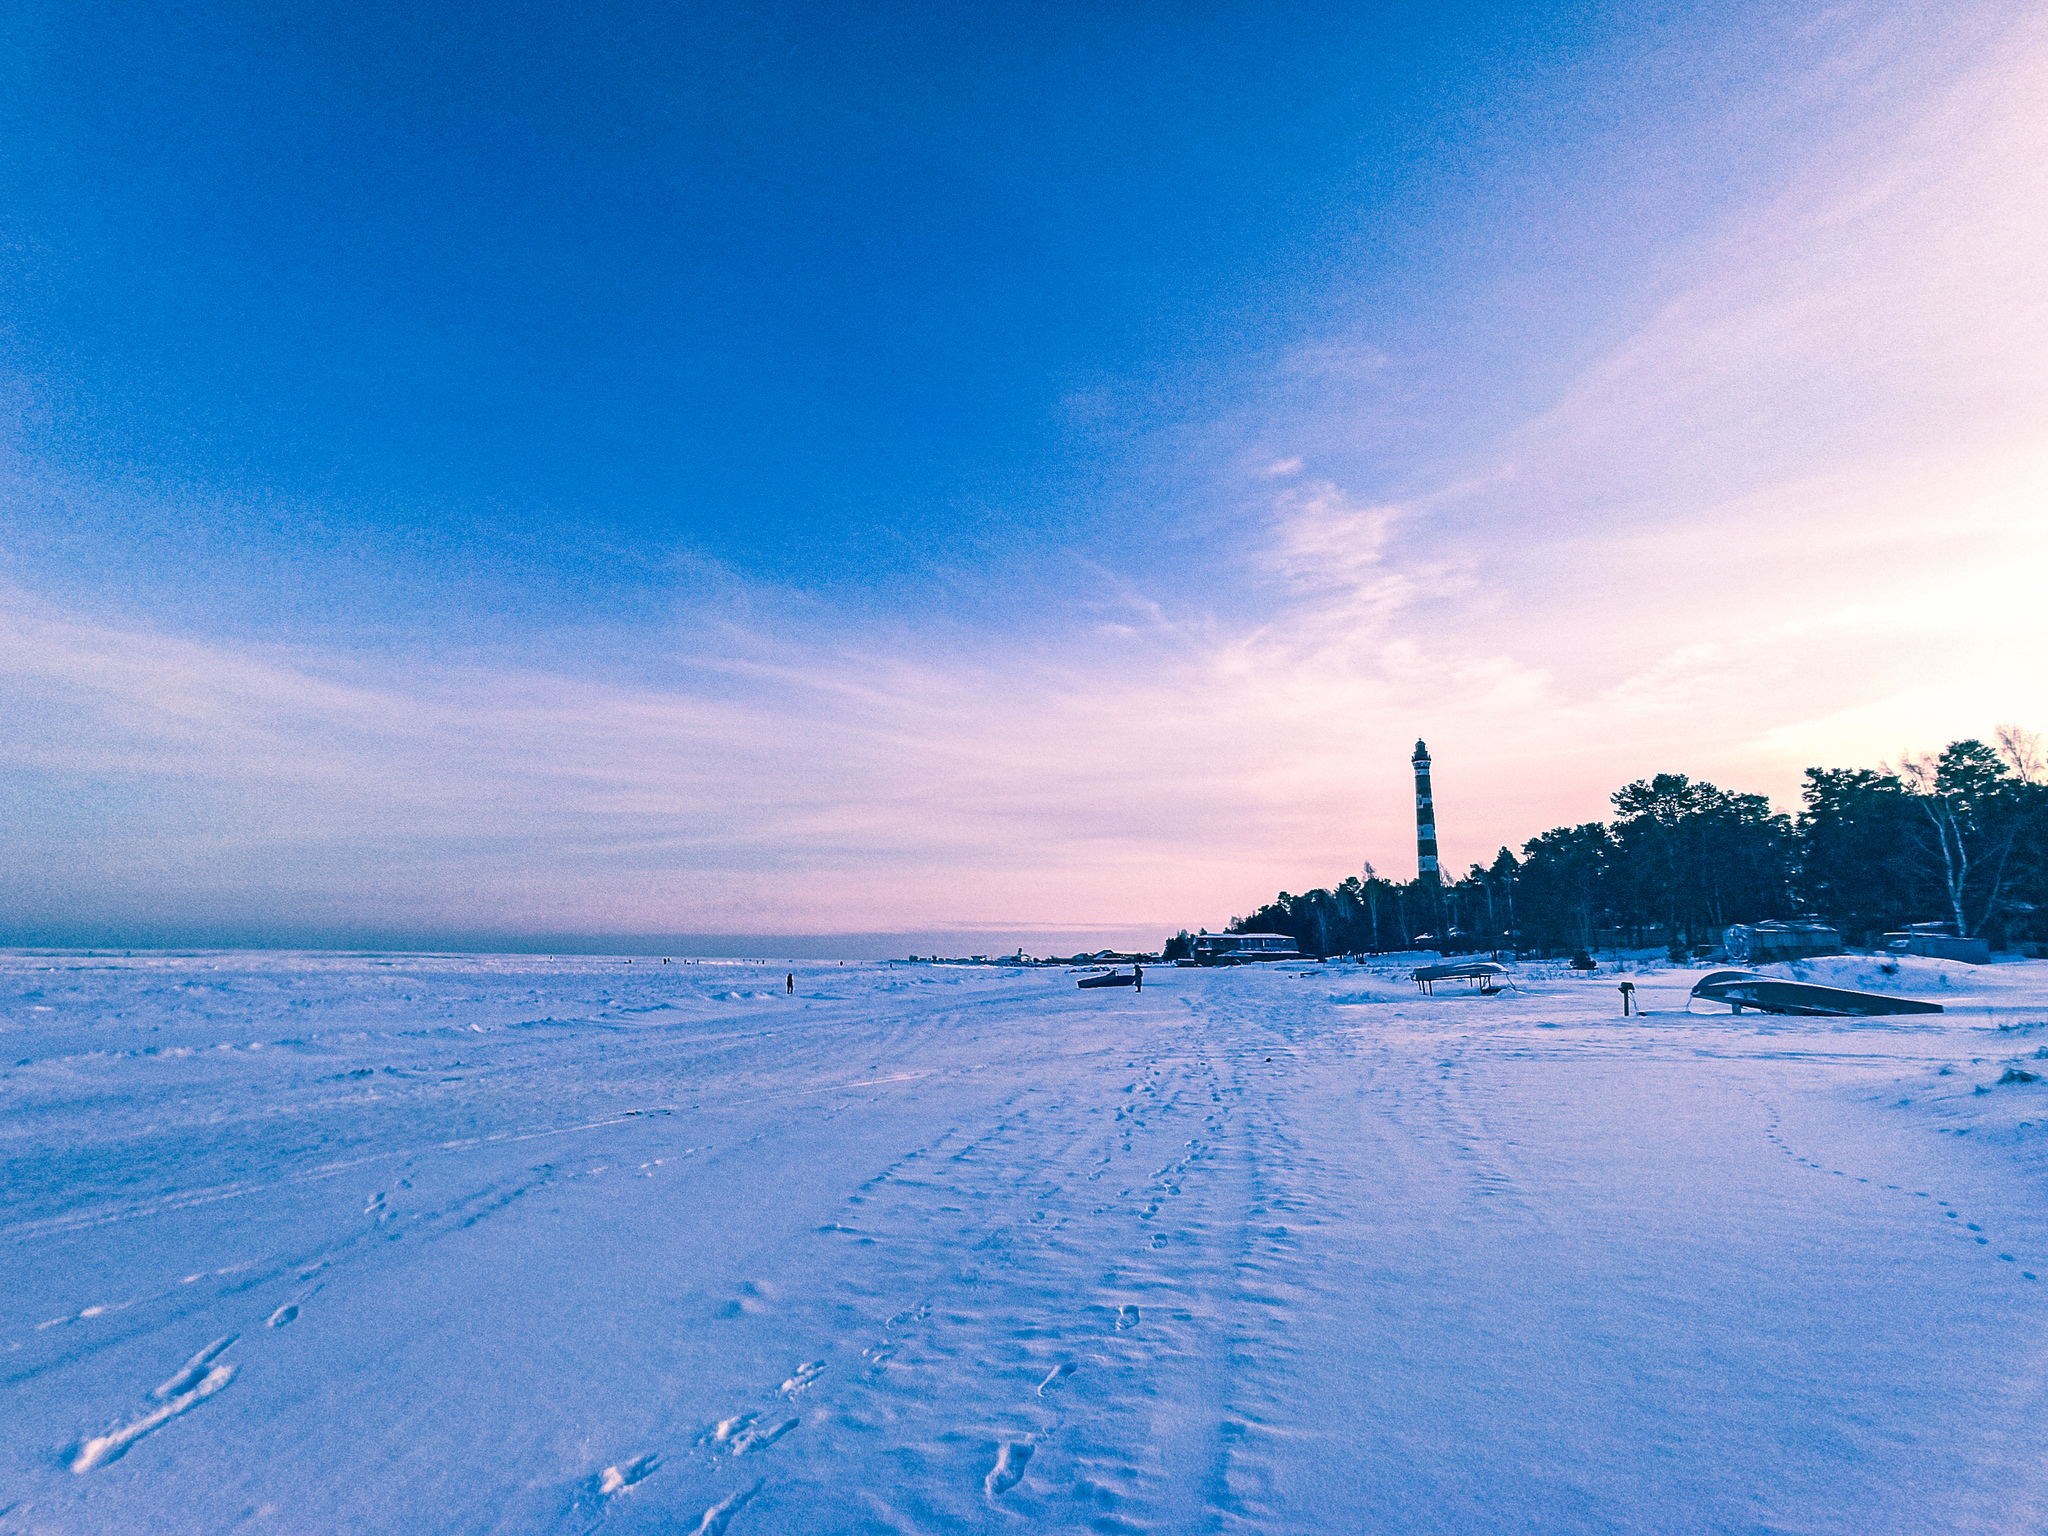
(427, 1244)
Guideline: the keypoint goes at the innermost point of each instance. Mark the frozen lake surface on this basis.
(503, 1244)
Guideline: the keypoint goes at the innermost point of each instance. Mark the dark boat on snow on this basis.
(1109, 980)
(1767, 994)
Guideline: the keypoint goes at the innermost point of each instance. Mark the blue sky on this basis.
(644, 469)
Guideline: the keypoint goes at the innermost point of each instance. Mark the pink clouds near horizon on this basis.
(1798, 517)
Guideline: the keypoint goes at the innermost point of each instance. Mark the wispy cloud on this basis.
(1800, 515)
(1755, 532)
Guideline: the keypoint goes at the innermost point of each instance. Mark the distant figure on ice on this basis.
(790, 981)
(1138, 971)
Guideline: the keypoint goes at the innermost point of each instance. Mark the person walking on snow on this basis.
(790, 980)
(1138, 971)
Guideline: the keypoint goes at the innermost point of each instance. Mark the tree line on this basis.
(1958, 837)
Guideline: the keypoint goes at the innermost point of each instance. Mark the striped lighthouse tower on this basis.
(1425, 819)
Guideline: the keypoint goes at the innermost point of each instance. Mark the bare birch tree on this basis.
(2022, 749)
(1961, 793)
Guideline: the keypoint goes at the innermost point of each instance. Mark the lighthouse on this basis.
(1425, 819)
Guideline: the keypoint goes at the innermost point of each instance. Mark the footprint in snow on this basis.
(195, 1369)
(760, 1436)
(1057, 1379)
(199, 1380)
(1126, 1317)
(719, 1515)
(805, 1374)
(743, 1433)
(725, 1429)
(623, 1476)
(1008, 1471)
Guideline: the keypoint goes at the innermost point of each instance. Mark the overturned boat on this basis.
(1110, 979)
(1769, 994)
